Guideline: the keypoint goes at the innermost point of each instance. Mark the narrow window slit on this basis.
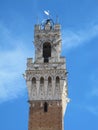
(45, 107)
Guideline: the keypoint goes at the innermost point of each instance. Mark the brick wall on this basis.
(41, 120)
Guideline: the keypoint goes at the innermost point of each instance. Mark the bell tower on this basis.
(46, 79)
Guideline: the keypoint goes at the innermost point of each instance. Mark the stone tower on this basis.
(46, 79)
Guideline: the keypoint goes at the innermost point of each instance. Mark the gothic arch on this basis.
(41, 80)
(49, 89)
(57, 87)
(49, 80)
(32, 76)
(57, 80)
(33, 87)
(46, 51)
(41, 90)
(33, 80)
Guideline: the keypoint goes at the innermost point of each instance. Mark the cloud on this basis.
(13, 54)
(91, 97)
(72, 39)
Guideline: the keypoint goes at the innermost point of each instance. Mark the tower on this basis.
(46, 79)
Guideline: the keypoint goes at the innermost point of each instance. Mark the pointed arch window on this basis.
(49, 89)
(33, 80)
(41, 80)
(57, 80)
(49, 81)
(46, 51)
(57, 83)
(57, 87)
(41, 87)
(33, 88)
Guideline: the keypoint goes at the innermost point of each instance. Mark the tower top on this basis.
(47, 41)
(47, 22)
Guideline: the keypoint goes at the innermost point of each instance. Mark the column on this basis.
(45, 87)
(53, 86)
(38, 86)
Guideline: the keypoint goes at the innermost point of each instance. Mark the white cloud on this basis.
(91, 97)
(12, 65)
(9, 73)
(73, 39)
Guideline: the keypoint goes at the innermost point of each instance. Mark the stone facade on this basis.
(46, 79)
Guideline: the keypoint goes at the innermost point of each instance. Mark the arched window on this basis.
(33, 88)
(41, 90)
(49, 80)
(33, 80)
(41, 80)
(57, 87)
(49, 88)
(45, 107)
(46, 51)
(57, 80)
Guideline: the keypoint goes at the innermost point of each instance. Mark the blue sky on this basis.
(79, 21)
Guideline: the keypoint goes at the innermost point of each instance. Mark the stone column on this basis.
(53, 87)
(37, 85)
(45, 87)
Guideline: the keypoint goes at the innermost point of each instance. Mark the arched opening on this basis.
(41, 90)
(57, 87)
(57, 80)
(46, 51)
(33, 80)
(45, 107)
(49, 80)
(41, 80)
(49, 89)
(33, 88)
